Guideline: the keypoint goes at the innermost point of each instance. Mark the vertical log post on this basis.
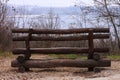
(91, 47)
(28, 53)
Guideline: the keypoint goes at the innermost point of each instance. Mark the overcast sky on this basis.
(49, 3)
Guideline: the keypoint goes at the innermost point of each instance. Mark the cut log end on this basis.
(21, 58)
(96, 57)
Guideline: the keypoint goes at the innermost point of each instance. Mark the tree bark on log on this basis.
(61, 38)
(62, 63)
(59, 50)
(60, 31)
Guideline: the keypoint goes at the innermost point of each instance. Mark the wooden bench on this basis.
(23, 61)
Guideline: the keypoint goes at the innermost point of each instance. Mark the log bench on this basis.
(24, 62)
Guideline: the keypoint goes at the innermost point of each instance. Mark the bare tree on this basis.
(3, 12)
(104, 13)
(111, 14)
(5, 26)
(45, 21)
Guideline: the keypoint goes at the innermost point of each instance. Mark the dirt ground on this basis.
(63, 73)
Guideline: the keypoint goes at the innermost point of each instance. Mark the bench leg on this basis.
(27, 69)
(90, 56)
(90, 68)
(21, 69)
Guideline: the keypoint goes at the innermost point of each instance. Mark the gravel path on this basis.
(9, 73)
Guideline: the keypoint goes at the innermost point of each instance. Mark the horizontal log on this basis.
(60, 50)
(61, 38)
(62, 63)
(60, 31)
(51, 38)
(101, 50)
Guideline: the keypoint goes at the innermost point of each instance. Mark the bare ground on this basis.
(9, 73)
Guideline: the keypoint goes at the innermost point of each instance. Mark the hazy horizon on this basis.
(50, 3)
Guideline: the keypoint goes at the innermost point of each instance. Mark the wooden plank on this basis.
(59, 50)
(61, 38)
(101, 50)
(101, 36)
(62, 63)
(60, 31)
(52, 38)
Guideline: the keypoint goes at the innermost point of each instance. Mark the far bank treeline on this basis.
(104, 14)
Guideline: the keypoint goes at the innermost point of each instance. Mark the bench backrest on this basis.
(61, 35)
